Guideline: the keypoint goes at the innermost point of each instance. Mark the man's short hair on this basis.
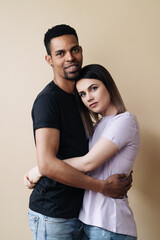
(57, 31)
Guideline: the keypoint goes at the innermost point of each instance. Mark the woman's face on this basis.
(95, 96)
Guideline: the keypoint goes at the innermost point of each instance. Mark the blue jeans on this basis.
(48, 228)
(96, 233)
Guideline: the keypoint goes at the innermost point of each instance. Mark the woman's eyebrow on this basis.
(90, 86)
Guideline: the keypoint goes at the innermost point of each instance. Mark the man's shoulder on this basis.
(49, 89)
(46, 98)
(45, 110)
(48, 93)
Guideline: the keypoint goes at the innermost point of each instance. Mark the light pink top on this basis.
(98, 210)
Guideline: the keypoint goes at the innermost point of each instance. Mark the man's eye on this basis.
(76, 50)
(59, 54)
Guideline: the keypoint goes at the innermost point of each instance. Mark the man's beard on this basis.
(74, 76)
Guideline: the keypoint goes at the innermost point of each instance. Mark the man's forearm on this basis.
(112, 187)
(63, 173)
(47, 143)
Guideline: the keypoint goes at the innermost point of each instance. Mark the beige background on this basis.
(122, 35)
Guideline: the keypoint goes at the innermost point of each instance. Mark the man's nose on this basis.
(70, 56)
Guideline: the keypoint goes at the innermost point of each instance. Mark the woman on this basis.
(114, 143)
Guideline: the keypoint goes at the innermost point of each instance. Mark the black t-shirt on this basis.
(54, 108)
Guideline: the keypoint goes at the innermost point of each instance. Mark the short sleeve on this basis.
(122, 130)
(45, 112)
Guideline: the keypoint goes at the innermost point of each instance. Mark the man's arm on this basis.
(47, 142)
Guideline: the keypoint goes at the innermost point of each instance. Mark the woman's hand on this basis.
(32, 177)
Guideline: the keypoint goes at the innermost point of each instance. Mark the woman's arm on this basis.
(32, 177)
(98, 154)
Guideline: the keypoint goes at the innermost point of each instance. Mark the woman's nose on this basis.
(89, 97)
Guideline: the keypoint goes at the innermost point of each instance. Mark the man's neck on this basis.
(66, 85)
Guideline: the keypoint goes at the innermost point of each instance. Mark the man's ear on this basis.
(48, 59)
(81, 48)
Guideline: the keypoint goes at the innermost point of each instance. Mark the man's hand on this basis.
(32, 177)
(117, 185)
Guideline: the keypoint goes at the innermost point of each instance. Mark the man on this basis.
(59, 134)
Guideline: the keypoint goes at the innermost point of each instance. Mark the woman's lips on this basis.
(93, 105)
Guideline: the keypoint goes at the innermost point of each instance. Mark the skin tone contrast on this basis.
(96, 97)
(66, 62)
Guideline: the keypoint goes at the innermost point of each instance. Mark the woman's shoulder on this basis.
(126, 116)
(124, 120)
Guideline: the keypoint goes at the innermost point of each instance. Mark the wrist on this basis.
(38, 172)
(103, 187)
(100, 186)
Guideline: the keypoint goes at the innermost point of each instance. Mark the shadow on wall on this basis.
(147, 165)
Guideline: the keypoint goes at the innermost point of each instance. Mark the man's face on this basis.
(66, 57)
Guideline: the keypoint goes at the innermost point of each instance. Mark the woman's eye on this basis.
(94, 88)
(82, 94)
